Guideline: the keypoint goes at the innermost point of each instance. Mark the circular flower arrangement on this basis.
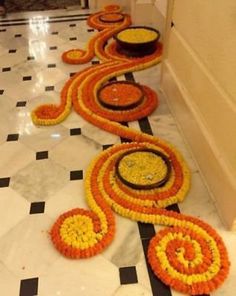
(143, 169)
(111, 17)
(112, 7)
(137, 41)
(137, 35)
(120, 95)
(189, 255)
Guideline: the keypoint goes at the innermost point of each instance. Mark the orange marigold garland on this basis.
(190, 256)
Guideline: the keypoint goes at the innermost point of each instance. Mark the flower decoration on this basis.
(111, 17)
(120, 95)
(137, 35)
(188, 255)
(143, 169)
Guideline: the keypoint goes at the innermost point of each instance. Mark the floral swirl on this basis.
(188, 255)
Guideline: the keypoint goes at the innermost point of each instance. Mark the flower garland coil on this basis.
(188, 255)
(143, 168)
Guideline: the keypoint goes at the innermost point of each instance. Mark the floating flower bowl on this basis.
(112, 17)
(137, 41)
(143, 168)
(120, 95)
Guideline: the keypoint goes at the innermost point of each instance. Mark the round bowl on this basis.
(140, 172)
(137, 41)
(120, 95)
(111, 17)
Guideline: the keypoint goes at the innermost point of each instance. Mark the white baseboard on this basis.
(218, 176)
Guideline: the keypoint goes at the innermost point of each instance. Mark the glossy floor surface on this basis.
(42, 169)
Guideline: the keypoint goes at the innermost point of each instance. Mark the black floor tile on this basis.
(75, 131)
(37, 207)
(90, 30)
(27, 78)
(128, 275)
(104, 147)
(129, 76)
(41, 155)
(124, 140)
(12, 51)
(95, 62)
(30, 58)
(72, 25)
(21, 104)
(174, 208)
(53, 47)
(49, 88)
(72, 74)
(2, 30)
(54, 33)
(145, 126)
(76, 175)
(4, 182)
(146, 230)
(18, 35)
(6, 69)
(29, 287)
(12, 137)
(73, 38)
(157, 286)
(52, 65)
(1, 91)
(113, 79)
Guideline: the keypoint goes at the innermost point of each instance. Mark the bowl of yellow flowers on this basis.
(137, 41)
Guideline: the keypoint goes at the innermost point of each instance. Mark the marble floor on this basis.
(42, 168)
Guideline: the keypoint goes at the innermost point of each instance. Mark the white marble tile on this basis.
(50, 76)
(101, 137)
(164, 126)
(3, 50)
(44, 138)
(134, 289)
(150, 76)
(9, 283)
(46, 97)
(69, 197)
(14, 59)
(69, 152)
(80, 277)
(126, 248)
(17, 209)
(8, 77)
(14, 156)
(74, 120)
(24, 90)
(199, 203)
(26, 249)
(142, 274)
(28, 68)
(17, 120)
(13, 42)
(40, 180)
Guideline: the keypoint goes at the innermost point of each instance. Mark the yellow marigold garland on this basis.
(190, 256)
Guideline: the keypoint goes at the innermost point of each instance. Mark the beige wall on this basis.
(201, 62)
(209, 27)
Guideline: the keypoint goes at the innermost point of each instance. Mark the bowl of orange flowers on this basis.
(137, 40)
(120, 95)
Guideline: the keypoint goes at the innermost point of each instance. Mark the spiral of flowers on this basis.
(188, 255)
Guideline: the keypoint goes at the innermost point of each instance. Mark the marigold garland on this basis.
(189, 256)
